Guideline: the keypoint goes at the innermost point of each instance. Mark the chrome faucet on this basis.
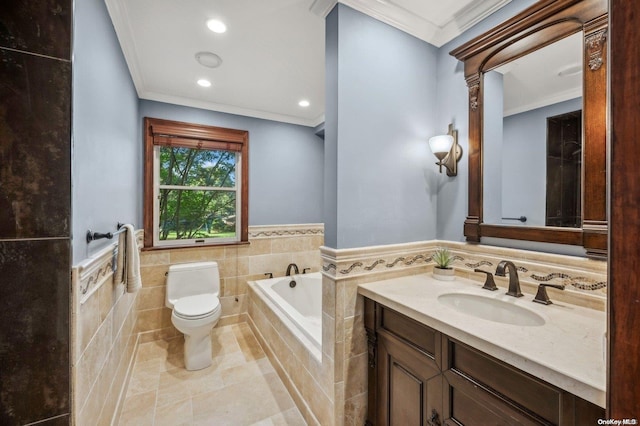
(295, 269)
(514, 282)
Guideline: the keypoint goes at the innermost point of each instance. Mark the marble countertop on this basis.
(567, 351)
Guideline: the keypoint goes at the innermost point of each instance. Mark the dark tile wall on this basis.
(35, 150)
(34, 379)
(35, 211)
(37, 26)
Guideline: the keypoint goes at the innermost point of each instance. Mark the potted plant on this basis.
(443, 259)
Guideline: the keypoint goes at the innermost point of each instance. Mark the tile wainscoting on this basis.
(104, 338)
(270, 250)
(108, 323)
(344, 269)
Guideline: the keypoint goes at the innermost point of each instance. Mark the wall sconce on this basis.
(447, 151)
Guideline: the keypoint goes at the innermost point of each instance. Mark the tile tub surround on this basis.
(270, 249)
(104, 338)
(343, 270)
(548, 352)
(309, 380)
(239, 388)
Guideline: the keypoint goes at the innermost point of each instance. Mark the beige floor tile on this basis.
(223, 341)
(206, 384)
(290, 417)
(182, 376)
(140, 402)
(246, 371)
(176, 414)
(249, 345)
(138, 409)
(231, 360)
(236, 404)
(162, 392)
(265, 422)
(143, 381)
(151, 366)
(173, 361)
(152, 350)
(137, 419)
(171, 394)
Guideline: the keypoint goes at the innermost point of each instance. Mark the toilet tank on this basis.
(190, 279)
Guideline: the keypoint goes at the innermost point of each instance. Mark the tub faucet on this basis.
(295, 269)
(514, 282)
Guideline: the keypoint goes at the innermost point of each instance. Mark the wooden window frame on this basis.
(176, 133)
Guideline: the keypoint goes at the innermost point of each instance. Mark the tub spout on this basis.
(295, 269)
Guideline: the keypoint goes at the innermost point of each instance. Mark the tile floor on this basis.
(240, 388)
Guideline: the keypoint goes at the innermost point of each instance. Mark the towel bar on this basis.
(92, 236)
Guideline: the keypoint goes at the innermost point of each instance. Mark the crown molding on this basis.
(229, 109)
(322, 7)
(121, 23)
(395, 15)
(124, 32)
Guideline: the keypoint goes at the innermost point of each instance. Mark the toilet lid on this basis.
(194, 307)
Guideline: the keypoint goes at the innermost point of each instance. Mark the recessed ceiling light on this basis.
(208, 59)
(304, 103)
(216, 26)
(204, 82)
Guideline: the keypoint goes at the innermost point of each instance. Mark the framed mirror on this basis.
(537, 126)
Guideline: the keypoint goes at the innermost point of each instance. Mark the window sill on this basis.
(209, 245)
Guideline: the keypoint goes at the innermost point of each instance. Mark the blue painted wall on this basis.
(106, 156)
(524, 162)
(373, 180)
(285, 163)
(381, 83)
(453, 101)
(330, 200)
(492, 146)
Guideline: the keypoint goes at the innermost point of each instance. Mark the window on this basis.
(196, 184)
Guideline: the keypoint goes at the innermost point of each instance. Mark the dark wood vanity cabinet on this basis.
(405, 378)
(419, 376)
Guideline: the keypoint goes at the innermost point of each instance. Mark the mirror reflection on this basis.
(532, 138)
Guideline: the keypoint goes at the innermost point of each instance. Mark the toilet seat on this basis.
(196, 307)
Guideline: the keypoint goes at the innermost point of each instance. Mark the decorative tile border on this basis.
(347, 263)
(271, 231)
(90, 274)
(406, 261)
(580, 274)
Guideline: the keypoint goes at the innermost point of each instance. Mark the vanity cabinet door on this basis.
(419, 376)
(405, 381)
(409, 384)
(480, 389)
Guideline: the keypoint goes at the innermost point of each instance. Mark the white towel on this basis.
(132, 261)
(118, 275)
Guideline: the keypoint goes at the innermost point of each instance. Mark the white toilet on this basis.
(192, 294)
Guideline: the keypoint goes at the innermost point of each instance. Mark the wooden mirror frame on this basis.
(540, 25)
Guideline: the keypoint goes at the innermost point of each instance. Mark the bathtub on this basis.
(299, 307)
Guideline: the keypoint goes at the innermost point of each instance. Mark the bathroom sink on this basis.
(491, 309)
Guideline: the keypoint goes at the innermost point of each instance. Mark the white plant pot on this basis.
(444, 274)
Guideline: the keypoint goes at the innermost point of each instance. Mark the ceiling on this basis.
(272, 53)
(546, 76)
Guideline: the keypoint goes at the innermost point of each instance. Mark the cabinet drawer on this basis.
(408, 330)
(514, 385)
(468, 409)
